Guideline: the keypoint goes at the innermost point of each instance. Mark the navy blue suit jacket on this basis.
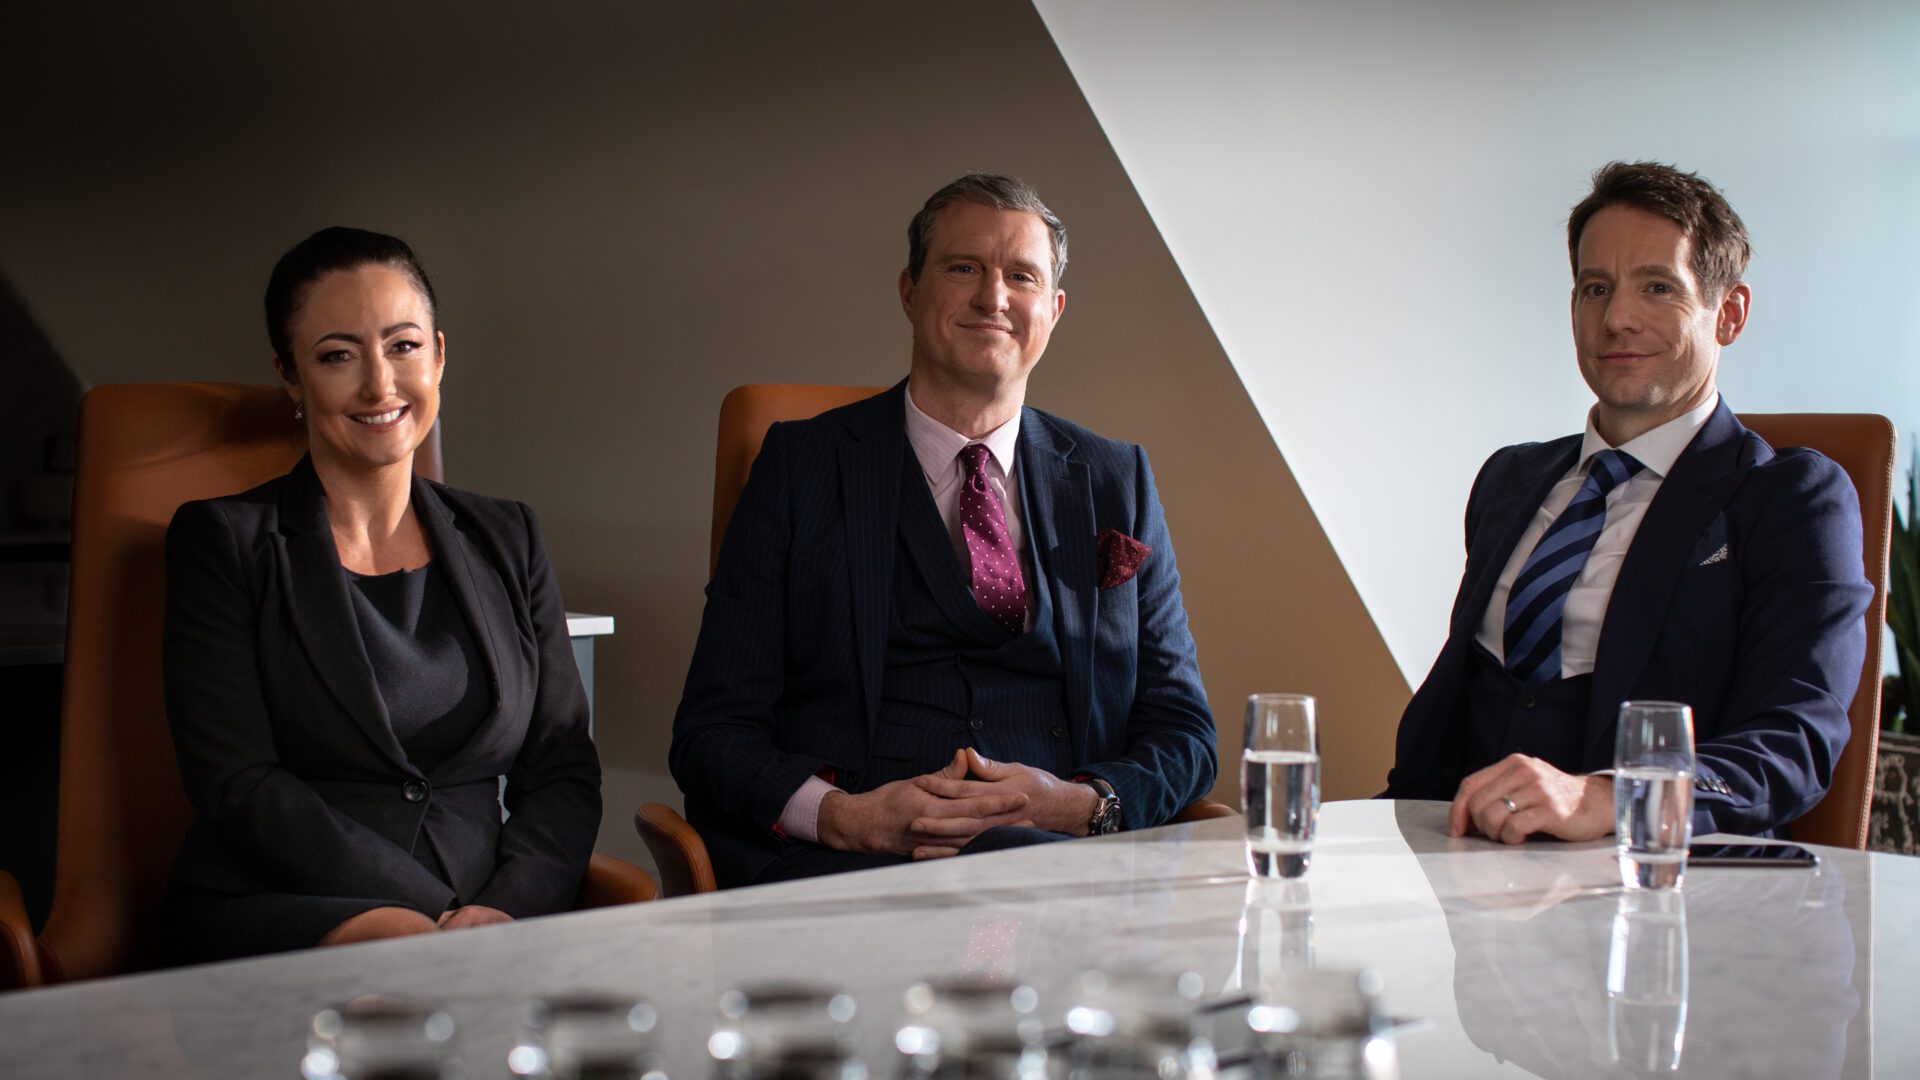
(1765, 644)
(786, 676)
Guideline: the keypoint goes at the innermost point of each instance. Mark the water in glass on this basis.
(1280, 784)
(1282, 801)
(1653, 767)
(1652, 815)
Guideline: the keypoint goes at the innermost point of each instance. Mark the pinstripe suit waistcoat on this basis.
(953, 676)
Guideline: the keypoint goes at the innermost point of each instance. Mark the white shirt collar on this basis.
(1658, 449)
(936, 444)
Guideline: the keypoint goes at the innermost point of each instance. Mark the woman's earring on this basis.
(299, 411)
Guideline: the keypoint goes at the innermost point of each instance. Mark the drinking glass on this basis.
(785, 1031)
(1647, 981)
(1653, 793)
(381, 1038)
(1137, 1026)
(968, 1028)
(1280, 784)
(587, 1037)
(1323, 1024)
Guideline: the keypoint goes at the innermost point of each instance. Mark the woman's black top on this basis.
(430, 674)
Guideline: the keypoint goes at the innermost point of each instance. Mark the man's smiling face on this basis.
(985, 303)
(1648, 341)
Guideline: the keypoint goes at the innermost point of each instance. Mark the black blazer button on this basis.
(976, 723)
(1059, 733)
(413, 791)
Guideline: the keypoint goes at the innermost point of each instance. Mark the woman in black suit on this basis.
(355, 655)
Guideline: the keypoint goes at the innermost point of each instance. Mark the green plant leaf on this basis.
(1909, 682)
(1913, 493)
(1903, 591)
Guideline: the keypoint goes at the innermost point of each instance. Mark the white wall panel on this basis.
(1369, 199)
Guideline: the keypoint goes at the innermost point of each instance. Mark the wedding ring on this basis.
(1508, 803)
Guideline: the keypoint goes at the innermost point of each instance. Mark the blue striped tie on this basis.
(1539, 594)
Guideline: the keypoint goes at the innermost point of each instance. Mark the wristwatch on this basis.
(1106, 812)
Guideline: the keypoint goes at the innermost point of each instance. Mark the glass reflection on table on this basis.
(1647, 981)
(1275, 935)
(1561, 976)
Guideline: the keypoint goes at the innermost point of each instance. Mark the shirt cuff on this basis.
(801, 818)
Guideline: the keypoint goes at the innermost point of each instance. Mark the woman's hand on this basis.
(472, 915)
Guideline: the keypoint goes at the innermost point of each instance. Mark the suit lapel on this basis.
(870, 467)
(1058, 490)
(478, 591)
(1702, 481)
(1511, 510)
(311, 577)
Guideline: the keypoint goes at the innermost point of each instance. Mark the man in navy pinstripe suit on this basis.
(943, 621)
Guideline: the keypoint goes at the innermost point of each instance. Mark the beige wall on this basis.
(627, 212)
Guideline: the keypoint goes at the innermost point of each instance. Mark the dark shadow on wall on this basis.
(37, 419)
(38, 413)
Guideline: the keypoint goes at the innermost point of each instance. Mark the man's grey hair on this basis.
(986, 189)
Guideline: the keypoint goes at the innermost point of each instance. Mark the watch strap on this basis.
(1106, 812)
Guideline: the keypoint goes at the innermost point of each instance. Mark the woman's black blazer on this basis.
(283, 739)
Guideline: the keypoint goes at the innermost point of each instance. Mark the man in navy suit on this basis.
(1668, 553)
(942, 620)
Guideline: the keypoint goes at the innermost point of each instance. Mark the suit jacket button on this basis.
(976, 723)
(1527, 702)
(1059, 733)
(413, 791)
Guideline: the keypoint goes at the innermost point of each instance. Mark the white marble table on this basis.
(1504, 953)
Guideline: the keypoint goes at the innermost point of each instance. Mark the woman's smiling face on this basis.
(366, 366)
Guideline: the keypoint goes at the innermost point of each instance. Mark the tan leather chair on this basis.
(678, 852)
(745, 415)
(1863, 444)
(144, 450)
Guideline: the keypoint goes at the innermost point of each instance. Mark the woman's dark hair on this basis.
(334, 248)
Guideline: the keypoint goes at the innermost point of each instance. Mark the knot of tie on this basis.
(1610, 468)
(973, 458)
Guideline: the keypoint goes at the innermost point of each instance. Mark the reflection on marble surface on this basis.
(1647, 982)
(1523, 961)
(1747, 971)
(1276, 935)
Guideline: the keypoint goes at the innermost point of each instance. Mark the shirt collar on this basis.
(936, 444)
(1658, 449)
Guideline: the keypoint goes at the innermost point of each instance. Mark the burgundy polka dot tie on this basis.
(998, 585)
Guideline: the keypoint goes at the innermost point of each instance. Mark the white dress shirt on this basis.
(937, 447)
(1586, 608)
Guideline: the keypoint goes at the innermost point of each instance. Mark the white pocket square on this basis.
(1718, 556)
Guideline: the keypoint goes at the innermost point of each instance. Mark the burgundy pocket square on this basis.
(1120, 557)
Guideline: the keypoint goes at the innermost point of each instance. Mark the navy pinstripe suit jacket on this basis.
(786, 675)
